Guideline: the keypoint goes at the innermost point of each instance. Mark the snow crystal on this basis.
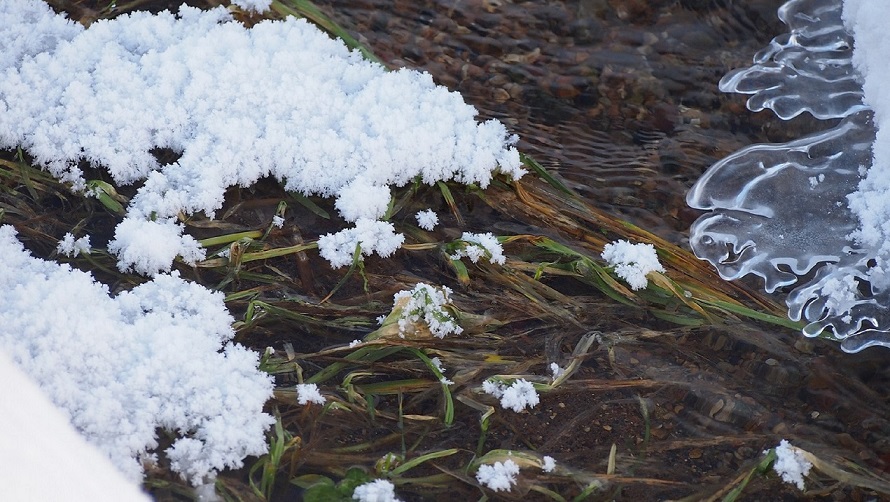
(556, 371)
(158, 356)
(632, 262)
(477, 246)
(279, 99)
(68, 246)
(371, 235)
(549, 464)
(519, 395)
(308, 393)
(379, 490)
(427, 219)
(791, 464)
(149, 247)
(426, 304)
(500, 476)
(253, 5)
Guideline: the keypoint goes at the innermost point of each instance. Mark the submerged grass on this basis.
(654, 393)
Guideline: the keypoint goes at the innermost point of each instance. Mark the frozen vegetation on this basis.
(122, 366)
(280, 99)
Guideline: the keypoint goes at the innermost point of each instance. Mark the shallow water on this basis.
(620, 97)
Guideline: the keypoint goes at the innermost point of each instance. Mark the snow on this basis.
(34, 428)
(370, 235)
(427, 219)
(253, 5)
(500, 476)
(549, 464)
(556, 371)
(476, 246)
(791, 464)
(517, 396)
(425, 304)
(280, 99)
(632, 262)
(379, 490)
(69, 246)
(871, 202)
(308, 393)
(121, 367)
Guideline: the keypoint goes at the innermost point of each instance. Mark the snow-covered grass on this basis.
(120, 367)
(791, 464)
(632, 261)
(499, 476)
(214, 92)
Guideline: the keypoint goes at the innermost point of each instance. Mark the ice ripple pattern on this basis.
(780, 211)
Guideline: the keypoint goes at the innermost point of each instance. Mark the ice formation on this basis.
(499, 476)
(801, 215)
(279, 99)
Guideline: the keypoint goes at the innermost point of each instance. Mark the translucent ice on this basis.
(782, 211)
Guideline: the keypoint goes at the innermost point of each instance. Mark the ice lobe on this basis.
(789, 213)
(280, 99)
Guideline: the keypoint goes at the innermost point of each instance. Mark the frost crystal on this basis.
(68, 246)
(500, 476)
(308, 393)
(371, 235)
(549, 464)
(253, 5)
(426, 304)
(556, 371)
(427, 219)
(791, 464)
(157, 357)
(279, 99)
(477, 246)
(519, 395)
(379, 490)
(632, 262)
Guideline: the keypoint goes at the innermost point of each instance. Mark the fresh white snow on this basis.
(119, 367)
(280, 99)
(34, 431)
(632, 261)
(517, 396)
(791, 464)
(499, 476)
(379, 490)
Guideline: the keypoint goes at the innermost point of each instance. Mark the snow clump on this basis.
(69, 246)
(159, 356)
(475, 246)
(519, 395)
(279, 99)
(426, 304)
(500, 476)
(427, 219)
(379, 490)
(791, 464)
(632, 262)
(308, 393)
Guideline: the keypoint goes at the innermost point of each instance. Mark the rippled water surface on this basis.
(619, 96)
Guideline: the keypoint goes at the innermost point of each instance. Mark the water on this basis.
(620, 98)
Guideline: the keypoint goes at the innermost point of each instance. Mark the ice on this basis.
(808, 216)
